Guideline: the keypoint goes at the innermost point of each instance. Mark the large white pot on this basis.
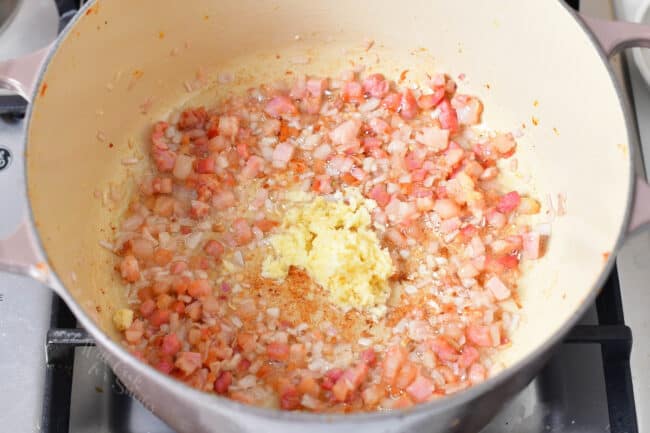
(526, 59)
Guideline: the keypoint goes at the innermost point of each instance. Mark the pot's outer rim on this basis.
(430, 408)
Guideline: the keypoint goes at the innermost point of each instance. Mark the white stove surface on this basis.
(25, 305)
(41, 20)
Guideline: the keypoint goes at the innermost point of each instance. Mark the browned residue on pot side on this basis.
(94, 9)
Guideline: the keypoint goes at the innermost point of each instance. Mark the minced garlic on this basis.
(333, 242)
(123, 318)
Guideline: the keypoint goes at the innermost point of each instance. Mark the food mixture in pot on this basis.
(332, 245)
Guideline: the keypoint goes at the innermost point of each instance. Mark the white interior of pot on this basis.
(112, 62)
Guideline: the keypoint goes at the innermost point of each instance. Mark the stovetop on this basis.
(54, 379)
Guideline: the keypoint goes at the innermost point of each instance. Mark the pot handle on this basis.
(19, 253)
(21, 74)
(614, 36)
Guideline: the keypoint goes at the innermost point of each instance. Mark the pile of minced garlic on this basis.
(333, 240)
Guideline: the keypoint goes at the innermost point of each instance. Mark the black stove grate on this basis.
(616, 352)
